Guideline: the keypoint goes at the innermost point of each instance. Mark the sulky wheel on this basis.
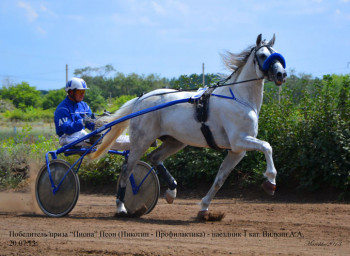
(148, 193)
(61, 203)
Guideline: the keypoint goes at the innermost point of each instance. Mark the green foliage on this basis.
(13, 164)
(53, 98)
(121, 84)
(18, 152)
(104, 91)
(193, 166)
(193, 81)
(6, 105)
(102, 172)
(318, 154)
(89, 71)
(22, 95)
(29, 114)
(95, 100)
(119, 101)
(307, 123)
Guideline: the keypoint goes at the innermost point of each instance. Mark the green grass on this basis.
(34, 130)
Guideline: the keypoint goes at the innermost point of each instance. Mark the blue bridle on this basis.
(274, 56)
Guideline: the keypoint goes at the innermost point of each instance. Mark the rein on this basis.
(264, 68)
(239, 82)
(274, 56)
(202, 101)
(218, 84)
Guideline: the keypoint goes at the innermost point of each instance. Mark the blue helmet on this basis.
(76, 83)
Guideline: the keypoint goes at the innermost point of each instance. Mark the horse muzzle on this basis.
(277, 74)
(275, 66)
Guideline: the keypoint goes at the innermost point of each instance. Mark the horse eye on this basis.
(263, 56)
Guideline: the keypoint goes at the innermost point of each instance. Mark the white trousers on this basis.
(121, 143)
(69, 138)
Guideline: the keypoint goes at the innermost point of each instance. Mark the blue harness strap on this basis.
(233, 97)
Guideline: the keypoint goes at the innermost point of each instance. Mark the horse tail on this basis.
(116, 130)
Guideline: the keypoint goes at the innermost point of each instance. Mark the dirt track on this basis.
(249, 228)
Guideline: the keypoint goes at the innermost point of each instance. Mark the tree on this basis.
(95, 100)
(100, 71)
(53, 98)
(22, 95)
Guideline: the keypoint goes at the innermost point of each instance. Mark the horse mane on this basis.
(233, 61)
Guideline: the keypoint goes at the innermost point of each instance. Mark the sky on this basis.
(168, 38)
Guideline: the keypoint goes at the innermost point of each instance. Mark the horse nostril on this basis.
(284, 76)
(279, 76)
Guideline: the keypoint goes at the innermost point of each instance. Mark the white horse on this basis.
(232, 118)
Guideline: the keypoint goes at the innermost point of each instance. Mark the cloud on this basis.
(180, 6)
(40, 30)
(75, 17)
(31, 14)
(158, 8)
(35, 14)
(47, 11)
(43, 8)
(170, 6)
(341, 15)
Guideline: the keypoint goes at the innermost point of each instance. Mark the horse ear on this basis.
(272, 41)
(258, 40)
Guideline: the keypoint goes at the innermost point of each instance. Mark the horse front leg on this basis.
(229, 163)
(249, 143)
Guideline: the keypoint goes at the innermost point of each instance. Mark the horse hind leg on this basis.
(169, 147)
(229, 163)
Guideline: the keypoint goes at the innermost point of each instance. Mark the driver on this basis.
(70, 117)
(70, 113)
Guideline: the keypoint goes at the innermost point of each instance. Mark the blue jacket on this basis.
(69, 117)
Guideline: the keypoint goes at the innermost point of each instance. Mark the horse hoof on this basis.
(138, 213)
(210, 216)
(120, 215)
(269, 188)
(203, 215)
(170, 195)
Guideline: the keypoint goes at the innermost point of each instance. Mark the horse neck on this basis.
(248, 92)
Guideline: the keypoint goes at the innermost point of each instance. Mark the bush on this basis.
(22, 95)
(119, 101)
(17, 153)
(29, 114)
(102, 172)
(6, 105)
(14, 165)
(193, 166)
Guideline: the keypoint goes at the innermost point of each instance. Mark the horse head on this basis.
(269, 62)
